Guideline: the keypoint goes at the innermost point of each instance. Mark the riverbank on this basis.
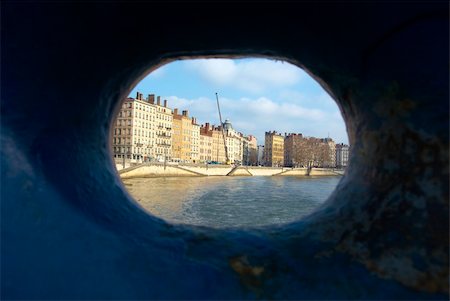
(151, 170)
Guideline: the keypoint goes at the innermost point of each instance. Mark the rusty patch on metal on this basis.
(250, 275)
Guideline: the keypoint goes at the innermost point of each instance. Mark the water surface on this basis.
(221, 202)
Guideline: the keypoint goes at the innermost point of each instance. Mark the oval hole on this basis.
(273, 154)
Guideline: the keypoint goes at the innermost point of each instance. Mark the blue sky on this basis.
(256, 95)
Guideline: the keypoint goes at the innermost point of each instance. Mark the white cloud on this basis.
(279, 96)
(258, 115)
(201, 106)
(322, 100)
(254, 76)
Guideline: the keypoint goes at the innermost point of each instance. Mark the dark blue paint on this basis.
(70, 231)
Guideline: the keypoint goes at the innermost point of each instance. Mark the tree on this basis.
(310, 152)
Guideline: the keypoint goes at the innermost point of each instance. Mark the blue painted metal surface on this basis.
(70, 230)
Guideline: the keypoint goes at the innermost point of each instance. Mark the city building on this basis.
(182, 137)
(331, 161)
(260, 155)
(273, 149)
(250, 150)
(136, 135)
(245, 151)
(342, 155)
(206, 143)
(218, 146)
(195, 141)
(163, 121)
(234, 141)
(147, 130)
(294, 145)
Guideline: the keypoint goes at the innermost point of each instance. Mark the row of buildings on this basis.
(294, 150)
(146, 129)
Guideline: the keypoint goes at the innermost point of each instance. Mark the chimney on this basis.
(175, 111)
(165, 103)
(194, 120)
(158, 102)
(185, 113)
(151, 98)
(207, 126)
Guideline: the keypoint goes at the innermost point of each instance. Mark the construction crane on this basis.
(228, 162)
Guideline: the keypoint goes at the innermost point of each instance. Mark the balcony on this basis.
(163, 135)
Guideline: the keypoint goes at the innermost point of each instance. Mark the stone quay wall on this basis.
(190, 170)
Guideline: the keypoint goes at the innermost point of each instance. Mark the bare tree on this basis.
(310, 152)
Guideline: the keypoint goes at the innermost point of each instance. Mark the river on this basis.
(223, 202)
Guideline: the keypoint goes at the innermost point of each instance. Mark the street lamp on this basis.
(123, 152)
(123, 158)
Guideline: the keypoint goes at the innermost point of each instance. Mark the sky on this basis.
(256, 95)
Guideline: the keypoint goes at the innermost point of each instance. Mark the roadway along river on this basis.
(222, 202)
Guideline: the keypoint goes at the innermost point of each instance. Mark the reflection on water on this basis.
(220, 202)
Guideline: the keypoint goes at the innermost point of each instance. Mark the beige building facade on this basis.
(218, 147)
(213, 142)
(182, 137)
(176, 137)
(234, 141)
(136, 135)
(146, 129)
(273, 149)
(250, 149)
(206, 143)
(163, 128)
(195, 141)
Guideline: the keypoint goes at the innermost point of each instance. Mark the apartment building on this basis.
(250, 150)
(234, 141)
(182, 136)
(293, 145)
(206, 143)
(218, 146)
(135, 135)
(342, 155)
(147, 130)
(331, 161)
(163, 128)
(195, 141)
(273, 149)
(261, 155)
